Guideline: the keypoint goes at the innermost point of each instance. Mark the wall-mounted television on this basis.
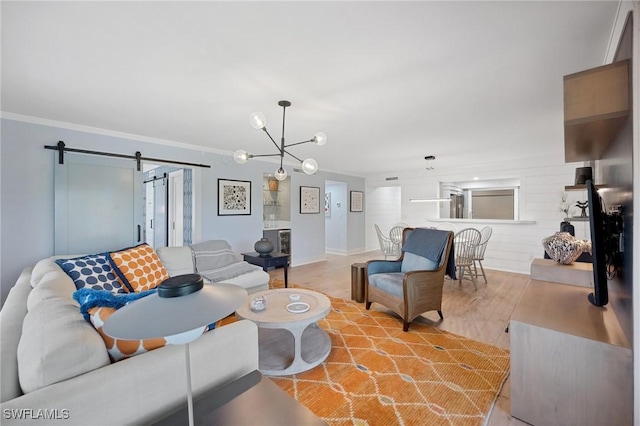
(598, 226)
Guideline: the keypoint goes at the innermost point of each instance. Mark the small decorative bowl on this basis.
(258, 303)
(294, 297)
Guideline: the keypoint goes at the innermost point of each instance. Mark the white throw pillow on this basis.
(57, 344)
(176, 260)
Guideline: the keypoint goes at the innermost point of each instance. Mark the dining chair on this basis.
(465, 245)
(395, 234)
(412, 284)
(485, 234)
(387, 246)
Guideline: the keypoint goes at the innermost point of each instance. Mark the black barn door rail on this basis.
(61, 148)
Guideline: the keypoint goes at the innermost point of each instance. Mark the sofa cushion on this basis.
(57, 344)
(92, 271)
(139, 268)
(176, 260)
(389, 282)
(54, 284)
(11, 319)
(414, 262)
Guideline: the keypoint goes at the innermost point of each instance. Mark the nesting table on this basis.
(272, 260)
(289, 342)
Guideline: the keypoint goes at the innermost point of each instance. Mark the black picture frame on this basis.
(234, 197)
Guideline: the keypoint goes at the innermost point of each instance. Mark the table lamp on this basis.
(179, 312)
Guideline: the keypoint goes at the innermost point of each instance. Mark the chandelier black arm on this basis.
(274, 142)
(264, 155)
(287, 152)
(300, 143)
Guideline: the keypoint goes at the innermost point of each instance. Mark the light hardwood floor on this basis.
(481, 314)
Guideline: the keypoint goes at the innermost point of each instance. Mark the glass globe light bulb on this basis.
(258, 120)
(281, 174)
(309, 166)
(240, 156)
(320, 138)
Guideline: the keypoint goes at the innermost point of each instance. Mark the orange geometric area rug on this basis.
(376, 374)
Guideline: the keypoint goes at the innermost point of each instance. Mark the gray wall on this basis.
(27, 202)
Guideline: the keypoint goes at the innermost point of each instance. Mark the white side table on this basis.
(289, 343)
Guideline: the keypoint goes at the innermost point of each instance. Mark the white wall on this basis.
(383, 207)
(336, 223)
(26, 178)
(512, 245)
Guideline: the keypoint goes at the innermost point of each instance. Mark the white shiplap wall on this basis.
(513, 245)
(382, 207)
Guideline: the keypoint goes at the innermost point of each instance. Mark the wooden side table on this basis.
(273, 260)
(357, 281)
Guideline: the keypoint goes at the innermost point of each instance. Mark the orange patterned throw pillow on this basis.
(119, 349)
(139, 268)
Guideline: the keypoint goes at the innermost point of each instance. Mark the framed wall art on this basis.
(234, 197)
(327, 204)
(309, 199)
(356, 201)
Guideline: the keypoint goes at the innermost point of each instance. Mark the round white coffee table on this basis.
(289, 342)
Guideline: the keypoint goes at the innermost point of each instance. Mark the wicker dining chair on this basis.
(395, 234)
(485, 234)
(387, 246)
(465, 244)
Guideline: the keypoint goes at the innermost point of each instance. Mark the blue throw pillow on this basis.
(93, 271)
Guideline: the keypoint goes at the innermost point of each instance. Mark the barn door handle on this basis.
(139, 233)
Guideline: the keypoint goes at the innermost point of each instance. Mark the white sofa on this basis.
(54, 364)
(181, 260)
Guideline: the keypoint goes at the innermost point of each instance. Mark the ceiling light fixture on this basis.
(429, 158)
(259, 121)
(429, 200)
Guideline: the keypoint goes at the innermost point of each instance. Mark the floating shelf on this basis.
(582, 187)
(577, 219)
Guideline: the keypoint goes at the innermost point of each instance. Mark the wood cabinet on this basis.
(596, 103)
(571, 363)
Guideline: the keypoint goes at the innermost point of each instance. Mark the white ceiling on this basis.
(388, 82)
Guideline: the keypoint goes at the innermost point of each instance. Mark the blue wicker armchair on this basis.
(412, 284)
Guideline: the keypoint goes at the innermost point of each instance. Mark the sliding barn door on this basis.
(98, 204)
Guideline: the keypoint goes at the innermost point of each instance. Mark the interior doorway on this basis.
(335, 214)
(168, 212)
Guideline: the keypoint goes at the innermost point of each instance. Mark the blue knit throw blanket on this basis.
(89, 298)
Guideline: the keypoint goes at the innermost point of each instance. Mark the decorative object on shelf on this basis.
(259, 121)
(273, 185)
(309, 199)
(263, 247)
(565, 207)
(234, 197)
(564, 248)
(583, 205)
(356, 201)
(258, 303)
(566, 226)
(583, 174)
(181, 309)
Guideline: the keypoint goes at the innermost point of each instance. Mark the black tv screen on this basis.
(597, 224)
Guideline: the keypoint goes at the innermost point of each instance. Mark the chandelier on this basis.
(259, 121)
